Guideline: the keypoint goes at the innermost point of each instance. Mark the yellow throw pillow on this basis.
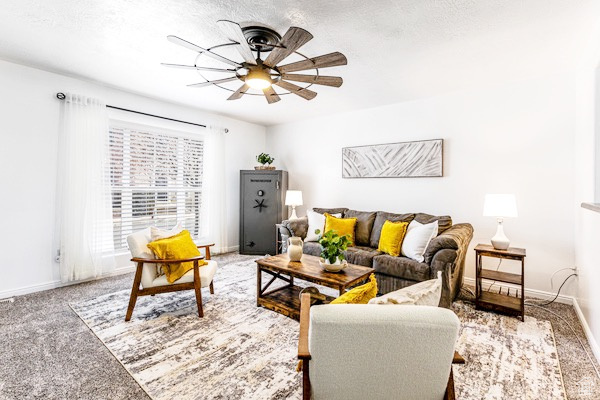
(392, 235)
(176, 247)
(342, 226)
(360, 294)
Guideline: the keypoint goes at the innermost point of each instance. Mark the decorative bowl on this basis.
(337, 267)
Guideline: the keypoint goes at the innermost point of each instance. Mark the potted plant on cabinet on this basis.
(332, 250)
(264, 159)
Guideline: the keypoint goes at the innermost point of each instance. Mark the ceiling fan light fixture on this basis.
(258, 79)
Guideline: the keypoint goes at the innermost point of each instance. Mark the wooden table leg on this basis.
(258, 283)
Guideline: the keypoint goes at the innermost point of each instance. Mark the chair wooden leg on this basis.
(305, 380)
(134, 291)
(212, 288)
(450, 395)
(197, 285)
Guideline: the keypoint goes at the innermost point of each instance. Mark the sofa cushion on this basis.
(339, 210)
(364, 225)
(401, 267)
(380, 219)
(444, 221)
(361, 255)
(312, 248)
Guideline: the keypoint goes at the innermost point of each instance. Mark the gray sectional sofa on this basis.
(445, 253)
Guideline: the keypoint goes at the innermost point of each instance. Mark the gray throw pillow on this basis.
(364, 225)
(380, 219)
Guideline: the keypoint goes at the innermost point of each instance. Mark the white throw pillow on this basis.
(417, 239)
(426, 293)
(316, 221)
(158, 233)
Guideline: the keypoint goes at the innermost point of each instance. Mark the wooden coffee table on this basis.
(286, 299)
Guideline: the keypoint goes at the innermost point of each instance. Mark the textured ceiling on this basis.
(397, 50)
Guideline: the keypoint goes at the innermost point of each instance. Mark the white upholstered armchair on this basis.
(152, 283)
(366, 351)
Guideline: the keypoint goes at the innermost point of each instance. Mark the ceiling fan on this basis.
(255, 73)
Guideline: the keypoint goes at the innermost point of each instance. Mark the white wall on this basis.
(29, 113)
(587, 185)
(517, 138)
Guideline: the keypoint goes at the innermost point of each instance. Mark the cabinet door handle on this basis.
(277, 185)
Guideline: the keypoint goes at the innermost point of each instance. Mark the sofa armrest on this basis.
(297, 227)
(456, 238)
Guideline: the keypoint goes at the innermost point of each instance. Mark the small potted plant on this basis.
(332, 250)
(265, 160)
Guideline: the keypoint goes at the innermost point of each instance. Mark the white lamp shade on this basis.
(500, 205)
(293, 198)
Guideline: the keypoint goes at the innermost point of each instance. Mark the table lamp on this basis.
(500, 206)
(293, 198)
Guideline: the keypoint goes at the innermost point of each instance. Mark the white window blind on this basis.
(156, 180)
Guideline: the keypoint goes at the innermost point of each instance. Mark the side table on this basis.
(485, 300)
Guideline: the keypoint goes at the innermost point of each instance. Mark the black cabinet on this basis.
(262, 196)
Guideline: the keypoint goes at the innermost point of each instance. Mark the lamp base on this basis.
(293, 216)
(500, 241)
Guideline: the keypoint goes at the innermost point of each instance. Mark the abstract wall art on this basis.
(394, 160)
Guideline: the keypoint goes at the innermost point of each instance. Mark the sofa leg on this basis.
(212, 288)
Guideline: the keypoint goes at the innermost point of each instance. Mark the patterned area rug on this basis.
(240, 351)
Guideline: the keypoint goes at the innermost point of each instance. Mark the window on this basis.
(156, 180)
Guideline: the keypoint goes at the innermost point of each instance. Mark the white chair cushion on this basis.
(362, 351)
(138, 246)
(207, 272)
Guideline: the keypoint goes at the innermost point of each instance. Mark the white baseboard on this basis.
(228, 249)
(57, 283)
(588, 332)
(538, 294)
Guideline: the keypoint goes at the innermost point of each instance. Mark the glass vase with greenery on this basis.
(333, 246)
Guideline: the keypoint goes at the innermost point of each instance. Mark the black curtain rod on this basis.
(61, 96)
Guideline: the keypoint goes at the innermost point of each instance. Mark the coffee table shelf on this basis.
(285, 301)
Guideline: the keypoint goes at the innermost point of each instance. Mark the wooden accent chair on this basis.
(365, 351)
(152, 283)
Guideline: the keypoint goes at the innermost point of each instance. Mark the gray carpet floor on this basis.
(49, 353)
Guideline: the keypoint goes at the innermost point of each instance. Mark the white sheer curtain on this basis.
(214, 204)
(84, 213)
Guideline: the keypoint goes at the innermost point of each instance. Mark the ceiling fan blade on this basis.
(335, 81)
(328, 60)
(293, 39)
(192, 46)
(198, 68)
(300, 91)
(215, 82)
(233, 32)
(240, 92)
(271, 95)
